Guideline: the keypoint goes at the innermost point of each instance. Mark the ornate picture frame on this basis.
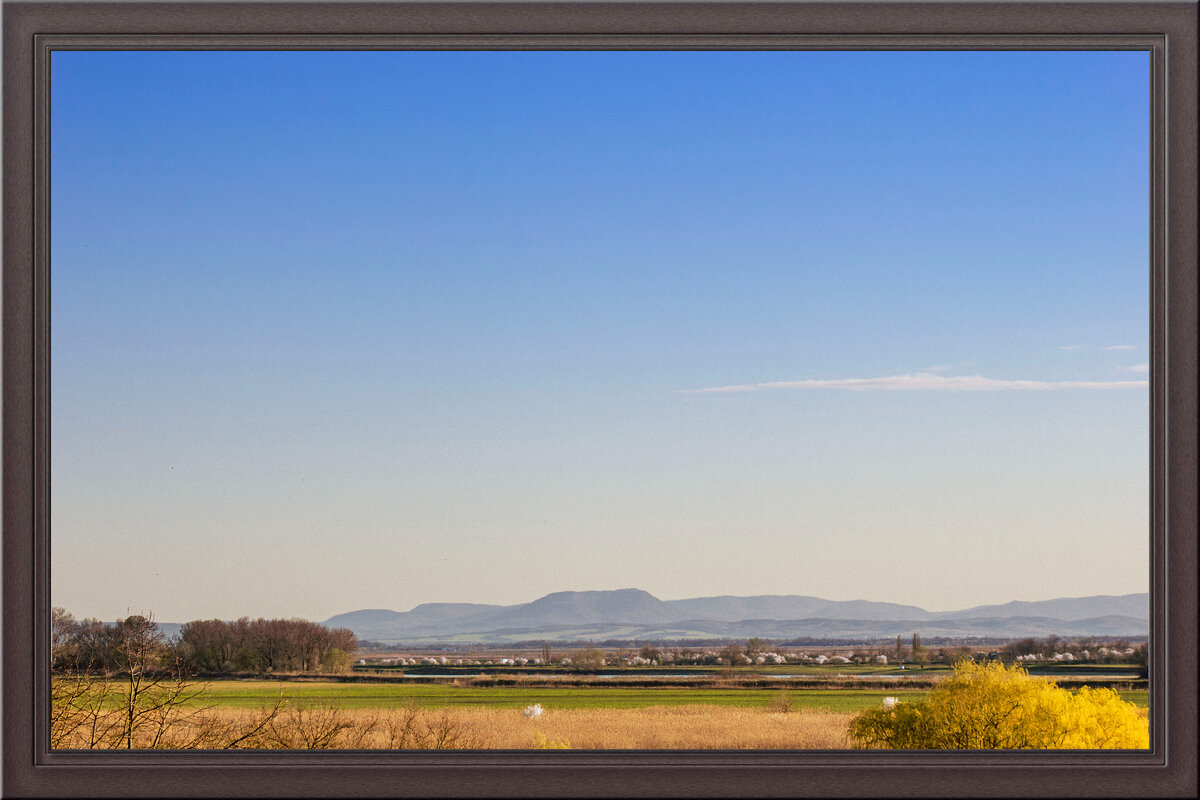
(1166, 30)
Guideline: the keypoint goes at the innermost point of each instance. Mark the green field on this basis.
(713, 669)
(252, 693)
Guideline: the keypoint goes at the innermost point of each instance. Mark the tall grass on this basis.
(305, 726)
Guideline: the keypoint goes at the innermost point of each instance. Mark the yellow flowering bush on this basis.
(994, 707)
(543, 742)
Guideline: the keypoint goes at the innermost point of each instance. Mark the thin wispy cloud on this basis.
(1071, 347)
(1120, 347)
(922, 382)
(1135, 368)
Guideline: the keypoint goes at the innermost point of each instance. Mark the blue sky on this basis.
(344, 330)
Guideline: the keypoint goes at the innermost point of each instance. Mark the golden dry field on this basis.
(655, 727)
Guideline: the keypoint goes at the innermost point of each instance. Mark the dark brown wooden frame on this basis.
(1168, 30)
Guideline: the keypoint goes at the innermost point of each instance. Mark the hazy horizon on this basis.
(335, 331)
(321, 618)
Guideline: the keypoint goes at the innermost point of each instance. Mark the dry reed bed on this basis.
(655, 727)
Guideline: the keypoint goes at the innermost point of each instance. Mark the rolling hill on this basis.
(636, 614)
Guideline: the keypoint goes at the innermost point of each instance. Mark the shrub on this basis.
(414, 728)
(542, 742)
(994, 707)
(307, 726)
(589, 658)
(335, 661)
(781, 703)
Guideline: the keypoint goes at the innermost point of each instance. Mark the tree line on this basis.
(209, 646)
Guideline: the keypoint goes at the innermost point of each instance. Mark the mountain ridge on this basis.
(635, 613)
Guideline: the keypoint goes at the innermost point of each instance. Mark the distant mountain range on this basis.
(635, 614)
